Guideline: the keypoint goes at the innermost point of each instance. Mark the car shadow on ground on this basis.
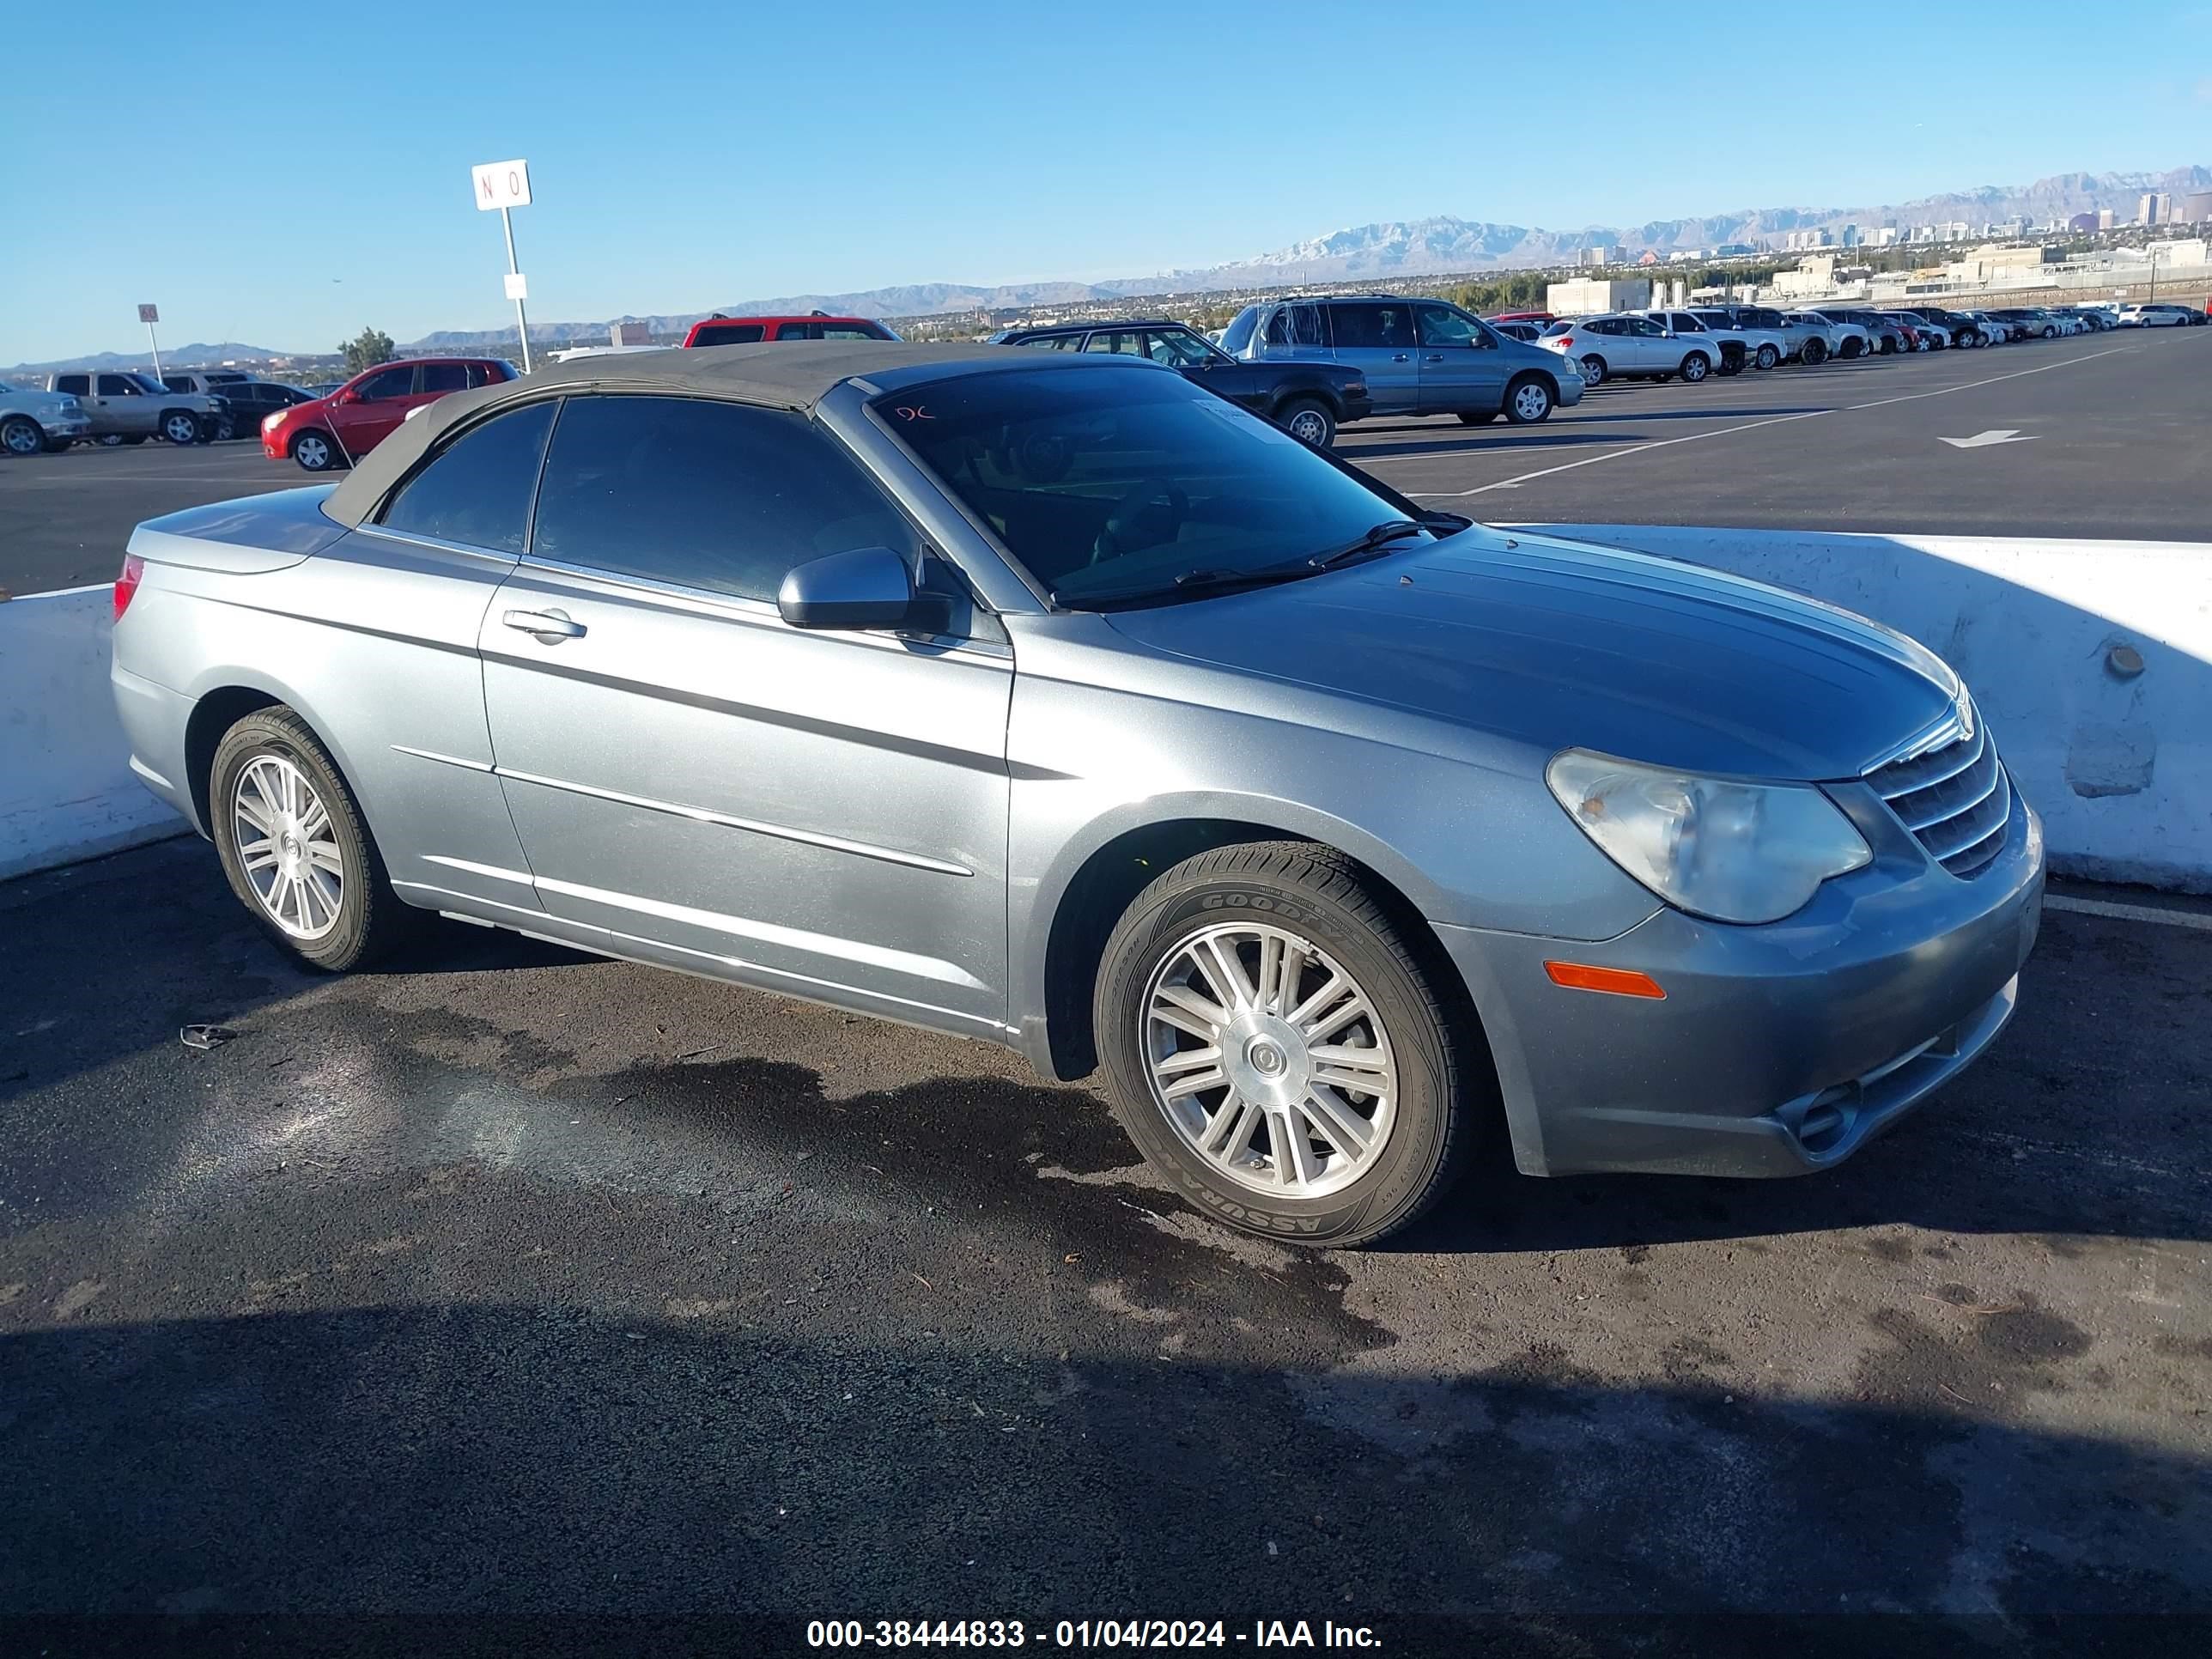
(2073, 1124)
(464, 1478)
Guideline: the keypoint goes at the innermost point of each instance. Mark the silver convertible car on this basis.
(1059, 701)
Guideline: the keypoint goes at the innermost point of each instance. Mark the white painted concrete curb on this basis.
(66, 788)
(2092, 661)
(2119, 763)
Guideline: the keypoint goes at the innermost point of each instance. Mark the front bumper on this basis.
(1778, 1049)
(1571, 387)
(66, 426)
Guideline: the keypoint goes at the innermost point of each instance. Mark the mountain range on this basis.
(1380, 252)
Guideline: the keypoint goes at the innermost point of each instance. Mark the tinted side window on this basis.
(849, 332)
(1442, 327)
(445, 377)
(1375, 327)
(705, 494)
(729, 334)
(177, 382)
(115, 386)
(391, 383)
(477, 490)
(1119, 342)
(79, 385)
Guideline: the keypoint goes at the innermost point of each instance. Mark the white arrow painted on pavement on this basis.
(1983, 439)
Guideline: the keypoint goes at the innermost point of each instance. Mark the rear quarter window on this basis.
(477, 490)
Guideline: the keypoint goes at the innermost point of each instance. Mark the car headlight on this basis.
(1729, 851)
(271, 418)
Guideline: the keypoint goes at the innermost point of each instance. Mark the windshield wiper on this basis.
(1381, 536)
(1187, 585)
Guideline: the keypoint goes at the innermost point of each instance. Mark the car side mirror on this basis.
(864, 588)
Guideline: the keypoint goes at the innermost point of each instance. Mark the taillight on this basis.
(1564, 341)
(127, 583)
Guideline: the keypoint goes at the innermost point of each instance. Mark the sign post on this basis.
(506, 186)
(150, 315)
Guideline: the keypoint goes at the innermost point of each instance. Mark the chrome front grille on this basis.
(1957, 800)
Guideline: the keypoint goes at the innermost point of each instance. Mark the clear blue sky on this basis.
(686, 156)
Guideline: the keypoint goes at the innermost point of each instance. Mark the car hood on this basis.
(1560, 644)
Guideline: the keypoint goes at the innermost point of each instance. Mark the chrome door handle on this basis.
(1400, 358)
(1434, 357)
(546, 626)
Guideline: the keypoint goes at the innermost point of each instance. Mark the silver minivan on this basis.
(1420, 356)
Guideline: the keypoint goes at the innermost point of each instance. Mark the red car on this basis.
(336, 430)
(751, 331)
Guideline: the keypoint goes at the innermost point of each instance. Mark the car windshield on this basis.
(147, 383)
(1117, 486)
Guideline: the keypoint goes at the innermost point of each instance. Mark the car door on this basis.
(1657, 351)
(120, 405)
(410, 586)
(821, 812)
(1461, 370)
(1298, 330)
(372, 409)
(1376, 337)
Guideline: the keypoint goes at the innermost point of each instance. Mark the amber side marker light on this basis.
(1616, 981)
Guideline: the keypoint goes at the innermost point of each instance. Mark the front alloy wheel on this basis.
(313, 452)
(1269, 1059)
(1528, 402)
(21, 435)
(1274, 1045)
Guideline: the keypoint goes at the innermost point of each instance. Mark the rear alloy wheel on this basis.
(1695, 367)
(225, 428)
(21, 435)
(1768, 356)
(1528, 401)
(294, 846)
(1309, 423)
(1851, 348)
(181, 426)
(1593, 370)
(2049, 332)
(1889, 345)
(1273, 1045)
(314, 452)
(1815, 353)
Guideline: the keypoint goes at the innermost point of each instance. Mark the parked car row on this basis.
(115, 407)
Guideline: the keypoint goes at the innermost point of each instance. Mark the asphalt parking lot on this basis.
(2106, 441)
(516, 1285)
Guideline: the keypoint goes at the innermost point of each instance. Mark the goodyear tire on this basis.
(1341, 999)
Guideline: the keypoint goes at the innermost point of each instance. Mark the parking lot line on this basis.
(2017, 373)
(1747, 426)
(1614, 454)
(2199, 920)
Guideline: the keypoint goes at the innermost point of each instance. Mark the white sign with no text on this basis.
(501, 185)
(518, 286)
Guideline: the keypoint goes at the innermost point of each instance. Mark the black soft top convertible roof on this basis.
(792, 374)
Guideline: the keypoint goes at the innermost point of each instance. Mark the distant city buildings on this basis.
(1793, 241)
(2154, 208)
(1613, 253)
